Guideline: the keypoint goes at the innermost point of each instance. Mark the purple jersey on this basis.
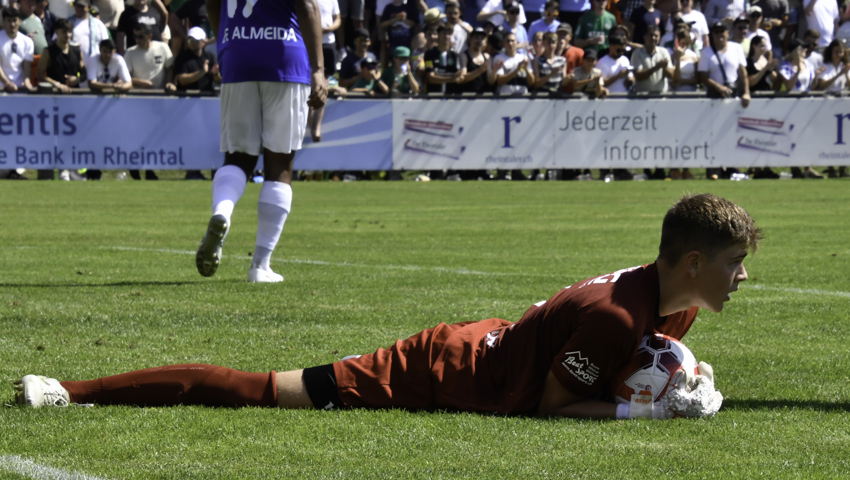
(260, 41)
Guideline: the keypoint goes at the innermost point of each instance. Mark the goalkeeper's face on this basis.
(719, 277)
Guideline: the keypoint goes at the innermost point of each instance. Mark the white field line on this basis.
(463, 271)
(28, 468)
(460, 271)
(804, 291)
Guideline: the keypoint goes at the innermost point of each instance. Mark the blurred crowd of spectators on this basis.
(723, 48)
(111, 45)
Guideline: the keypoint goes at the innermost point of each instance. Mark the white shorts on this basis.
(258, 115)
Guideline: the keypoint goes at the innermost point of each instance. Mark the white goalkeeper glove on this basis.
(694, 395)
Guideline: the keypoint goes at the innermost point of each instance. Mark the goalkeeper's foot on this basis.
(209, 252)
(38, 391)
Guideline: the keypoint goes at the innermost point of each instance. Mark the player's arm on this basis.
(310, 22)
(558, 401)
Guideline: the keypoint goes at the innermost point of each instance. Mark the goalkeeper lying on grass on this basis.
(556, 360)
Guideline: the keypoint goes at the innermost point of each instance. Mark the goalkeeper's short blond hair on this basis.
(708, 224)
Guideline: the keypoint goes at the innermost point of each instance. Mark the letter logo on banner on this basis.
(508, 121)
(839, 127)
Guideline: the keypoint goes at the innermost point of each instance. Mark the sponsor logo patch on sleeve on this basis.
(581, 368)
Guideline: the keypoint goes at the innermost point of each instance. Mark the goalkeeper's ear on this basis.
(706, 370)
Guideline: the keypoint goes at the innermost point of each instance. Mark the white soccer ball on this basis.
(651, 370)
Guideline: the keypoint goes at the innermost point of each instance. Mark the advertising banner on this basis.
(356, 135)
(785, 132)
(622, 133)
(472, 134)
(455, 134)
(109, 133)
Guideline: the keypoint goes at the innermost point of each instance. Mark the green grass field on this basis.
(98, 278)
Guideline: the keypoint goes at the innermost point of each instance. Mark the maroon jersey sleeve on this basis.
(595, 352)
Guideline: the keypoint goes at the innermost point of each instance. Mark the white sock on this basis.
(272, 209)
(262, 257)
(228, 185)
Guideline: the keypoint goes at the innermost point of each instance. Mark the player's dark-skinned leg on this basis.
(244, 161)
(278, 166)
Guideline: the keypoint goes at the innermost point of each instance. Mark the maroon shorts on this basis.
(441, 367)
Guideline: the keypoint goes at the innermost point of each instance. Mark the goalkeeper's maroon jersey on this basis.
(583, 334)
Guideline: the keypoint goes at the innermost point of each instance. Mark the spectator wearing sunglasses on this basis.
(740, 30)
(549, 22)
(151, 66)
(150, 62)
(141, 11)
(615, 67)
(754, 19)
(16, 53)
(513, 25)
(369, 81)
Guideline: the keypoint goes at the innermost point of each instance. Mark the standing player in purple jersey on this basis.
(272, 69)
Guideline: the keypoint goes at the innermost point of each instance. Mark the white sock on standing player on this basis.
(272, 209)
(228, 185)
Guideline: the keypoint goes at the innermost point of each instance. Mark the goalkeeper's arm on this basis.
(558, 401)
(688, 396)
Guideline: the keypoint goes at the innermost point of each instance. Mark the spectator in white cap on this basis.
(195, 68)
